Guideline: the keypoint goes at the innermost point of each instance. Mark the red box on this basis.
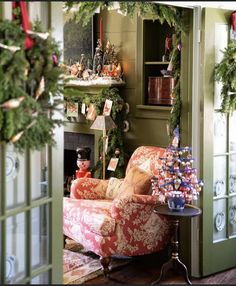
(160, 89)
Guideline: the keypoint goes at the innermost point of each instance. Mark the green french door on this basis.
(219, 153)
(31, 214)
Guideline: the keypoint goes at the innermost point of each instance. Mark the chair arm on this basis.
(88, 188)
(128, 207)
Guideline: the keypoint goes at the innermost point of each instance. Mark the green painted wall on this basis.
(1, 10)
(148, 124)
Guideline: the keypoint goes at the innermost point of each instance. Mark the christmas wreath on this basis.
(225, 72)
(30, 90)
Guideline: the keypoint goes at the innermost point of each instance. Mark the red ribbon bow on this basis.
(24, 22)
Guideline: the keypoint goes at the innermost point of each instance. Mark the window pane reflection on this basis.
(15, 248)
(220, 142)
(15, 178)
(232, 216)
(39, 228)
(232, 132)
(232, 173)
(219, 176)
(219, 220)
(39, 177)
(41, 279)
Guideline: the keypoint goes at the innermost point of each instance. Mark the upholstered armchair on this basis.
(115, 216)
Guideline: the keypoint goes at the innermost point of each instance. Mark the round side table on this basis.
(174, 261)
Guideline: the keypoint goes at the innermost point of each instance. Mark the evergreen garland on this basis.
(225, 72)
(29, 87)
(86, 10)
(115, 136)
(175, 114)
(172, 15)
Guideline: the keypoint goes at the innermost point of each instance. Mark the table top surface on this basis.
(188, 211)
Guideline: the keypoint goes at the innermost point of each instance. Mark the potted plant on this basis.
(177, 182)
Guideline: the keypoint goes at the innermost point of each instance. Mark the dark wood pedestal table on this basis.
(174, 262)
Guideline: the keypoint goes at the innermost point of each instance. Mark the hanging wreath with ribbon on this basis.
(225, 72)
(30, 90)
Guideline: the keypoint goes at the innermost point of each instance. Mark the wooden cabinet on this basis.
(154, 57)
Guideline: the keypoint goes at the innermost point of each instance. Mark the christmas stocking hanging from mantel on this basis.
(24, 21)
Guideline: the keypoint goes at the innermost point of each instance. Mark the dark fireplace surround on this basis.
(72, 141)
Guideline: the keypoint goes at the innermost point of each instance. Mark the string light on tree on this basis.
(176, 174)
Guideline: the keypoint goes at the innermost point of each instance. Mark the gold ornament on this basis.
(40, 88)
(117, 151)
(10, 48)
(16, 137)
(43, 36)
(12, 103)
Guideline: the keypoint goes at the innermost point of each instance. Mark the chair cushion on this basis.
(136, 181)
(89, 215)
(148, 158)
(113, 188)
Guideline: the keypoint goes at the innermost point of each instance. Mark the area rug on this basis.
(80, 265)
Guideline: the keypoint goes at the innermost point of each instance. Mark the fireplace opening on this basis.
(71, 142)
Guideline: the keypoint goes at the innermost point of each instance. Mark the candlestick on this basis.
(100, 30)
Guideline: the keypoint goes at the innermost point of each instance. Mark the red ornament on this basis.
(55, 60)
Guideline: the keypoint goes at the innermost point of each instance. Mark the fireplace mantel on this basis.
(99, 82)
(80, 124)
(94, 86)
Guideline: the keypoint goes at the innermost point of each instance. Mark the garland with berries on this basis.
(29, 87)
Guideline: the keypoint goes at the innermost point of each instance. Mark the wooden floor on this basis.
(146, 269)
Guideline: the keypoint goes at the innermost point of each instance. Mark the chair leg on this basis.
(64, 240)
(105, 262)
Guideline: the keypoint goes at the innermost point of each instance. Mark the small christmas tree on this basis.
(176, 174)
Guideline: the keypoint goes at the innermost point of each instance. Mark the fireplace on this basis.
(73, 140)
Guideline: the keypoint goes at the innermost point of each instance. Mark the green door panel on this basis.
(218, 198)
(31, 191)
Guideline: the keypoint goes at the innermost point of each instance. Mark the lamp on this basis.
(104, 123)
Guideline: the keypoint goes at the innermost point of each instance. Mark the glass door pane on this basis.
(39, 173)
(40, 236)
(15, 178)
(15, 248)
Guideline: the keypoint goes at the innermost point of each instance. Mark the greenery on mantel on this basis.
(115, 136)
(225, 72)
(172, 15)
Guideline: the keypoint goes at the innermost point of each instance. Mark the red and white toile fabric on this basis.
(88, 188)
(125, 225)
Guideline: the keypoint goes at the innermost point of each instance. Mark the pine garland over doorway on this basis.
(172, 15)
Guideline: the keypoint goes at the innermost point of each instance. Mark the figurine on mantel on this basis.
(97, 59)
(111, 67)
(105, 67)
(83, 162)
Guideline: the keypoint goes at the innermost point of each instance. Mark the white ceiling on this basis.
(231, 5)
